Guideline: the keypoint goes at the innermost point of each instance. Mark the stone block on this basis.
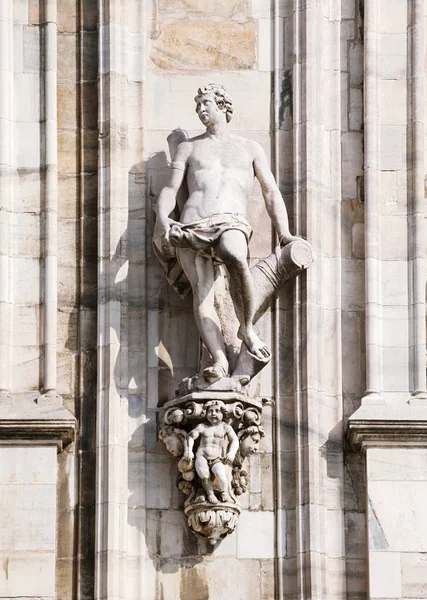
(265, 45)
(68, 57)
(27, 521)
(204, 45)
(397, 464)
(27, 145)
(68, 110)
(26, 283)
(32, 50)
(395, 326)
(18, 49)
(26, 368)
(26, 326)
(358, 240)
(67, 242)
(393, 16)
(395, 283)
(392, 151)
(65, 369)
(393, 100)
(355, 535)
(20, 12)
(401, 521)
(356, 109)
(27, 191)
(393, 56)
(348, 9)
(355, 54)
(68, 18)
(414, 579)
(200, 9)
(160, 472)
(255, 535)
(27, 575)
(396, 377)
(352, 162)
(385, 575)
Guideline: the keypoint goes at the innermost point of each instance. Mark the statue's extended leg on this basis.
(200, 273)
(221, 478)
(232, 249)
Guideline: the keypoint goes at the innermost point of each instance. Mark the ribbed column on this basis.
(373, 284)
(416, 220)
(6, 187)
(317, 301)
(51, 199)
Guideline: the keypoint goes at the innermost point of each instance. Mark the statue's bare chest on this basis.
(216, 156)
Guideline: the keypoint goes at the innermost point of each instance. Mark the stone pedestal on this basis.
(33, 429)
(394, 442)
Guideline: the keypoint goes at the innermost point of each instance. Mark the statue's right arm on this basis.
(167, 199)
(192, 436)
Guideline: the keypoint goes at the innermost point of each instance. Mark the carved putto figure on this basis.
(209, 456)
(218, 168)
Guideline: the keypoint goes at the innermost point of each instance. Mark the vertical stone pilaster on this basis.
(390, 424)
(416, 212)
(50, 208)
(6, 189)
(317, 314)
(121, 73)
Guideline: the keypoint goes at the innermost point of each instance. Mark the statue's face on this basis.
(174, 444)
(250, 444)
(207, 109)
(214, 415)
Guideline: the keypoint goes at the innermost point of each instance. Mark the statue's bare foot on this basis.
(255, 344)
(214, 372)
(212, 498)
(225, 497)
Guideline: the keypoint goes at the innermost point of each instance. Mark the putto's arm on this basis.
(234, 444)
(273, 199)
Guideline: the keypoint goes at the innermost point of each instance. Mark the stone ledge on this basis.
(31, 417)
(394, 425)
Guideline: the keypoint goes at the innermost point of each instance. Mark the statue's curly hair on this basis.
(221, 97)
(221, 405)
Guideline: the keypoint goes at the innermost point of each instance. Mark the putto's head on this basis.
(215, 410)
(223, 101)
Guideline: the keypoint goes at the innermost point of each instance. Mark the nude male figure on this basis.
(219, 168)
(209, 453)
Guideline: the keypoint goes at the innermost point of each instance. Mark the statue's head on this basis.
(173, 439)
(250, 439)
(210, 98)
(215, 410)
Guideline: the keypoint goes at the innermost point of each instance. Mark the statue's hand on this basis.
(162, 234)
(188, 456)
(287, 238)
(229, 459)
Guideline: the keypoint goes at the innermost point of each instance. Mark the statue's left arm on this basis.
(273, 198)
(234, 444)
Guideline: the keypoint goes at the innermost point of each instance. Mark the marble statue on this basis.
(219, 168)
(209, 456)
(213, 425)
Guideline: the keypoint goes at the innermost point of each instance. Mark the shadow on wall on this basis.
(158, 346)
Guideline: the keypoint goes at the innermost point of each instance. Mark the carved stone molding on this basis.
(212, 433)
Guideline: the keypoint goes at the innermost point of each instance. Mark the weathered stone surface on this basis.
(203, 45)
(200, 8)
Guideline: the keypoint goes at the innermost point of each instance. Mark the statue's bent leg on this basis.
(219, 471)
(202, 470)
(199, 271)
(232, 249)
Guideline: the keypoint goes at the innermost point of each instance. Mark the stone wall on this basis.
(94, 341)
